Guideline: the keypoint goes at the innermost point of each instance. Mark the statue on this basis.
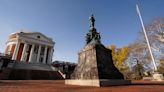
(92, 36)
(88, 38)
(95, 63)
(92, 21)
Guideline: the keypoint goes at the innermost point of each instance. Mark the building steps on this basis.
(30, 71)
(34, 66)
(5, 73)
(24, 74)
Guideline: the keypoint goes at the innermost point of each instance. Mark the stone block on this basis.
(158, 77)
(95, 62)
(98, 83)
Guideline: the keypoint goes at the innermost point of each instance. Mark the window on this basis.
(38, 36)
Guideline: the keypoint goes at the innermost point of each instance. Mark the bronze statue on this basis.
(92, 37)
(92, 21)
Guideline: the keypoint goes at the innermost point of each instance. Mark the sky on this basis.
(67, 21)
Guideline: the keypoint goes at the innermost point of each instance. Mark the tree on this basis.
(138, 49)
(161, 67)
(119, 55)
(138, 70)
(126, 71)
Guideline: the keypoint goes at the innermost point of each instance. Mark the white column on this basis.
(16, 51)
(50, 55)
(24, 52)
(38, 56)
(31, 52)
(45, 54)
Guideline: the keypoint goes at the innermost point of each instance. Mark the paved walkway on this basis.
(59, 86)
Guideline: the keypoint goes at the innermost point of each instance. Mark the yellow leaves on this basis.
(119, 55)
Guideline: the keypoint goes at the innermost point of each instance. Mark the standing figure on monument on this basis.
(92, 36)
(92, 21)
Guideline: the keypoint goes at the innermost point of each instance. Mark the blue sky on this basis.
(66, 21)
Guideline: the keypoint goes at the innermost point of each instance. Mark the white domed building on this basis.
(32, 47)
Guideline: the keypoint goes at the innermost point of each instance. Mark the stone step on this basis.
(21, 74)
(23, 70)
(5, 73)
(34, 66)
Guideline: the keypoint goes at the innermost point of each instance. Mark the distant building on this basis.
(32, 47)
(66, 68)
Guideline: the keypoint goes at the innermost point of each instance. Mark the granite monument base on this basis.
(95, 68)
(95, 62)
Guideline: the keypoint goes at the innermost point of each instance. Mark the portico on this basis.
(30, 47)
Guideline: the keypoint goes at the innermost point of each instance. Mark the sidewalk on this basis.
(59, 86)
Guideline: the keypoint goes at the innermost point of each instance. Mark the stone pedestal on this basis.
(95, 62)
(158, 77)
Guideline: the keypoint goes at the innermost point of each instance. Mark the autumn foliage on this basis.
(119, 55)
